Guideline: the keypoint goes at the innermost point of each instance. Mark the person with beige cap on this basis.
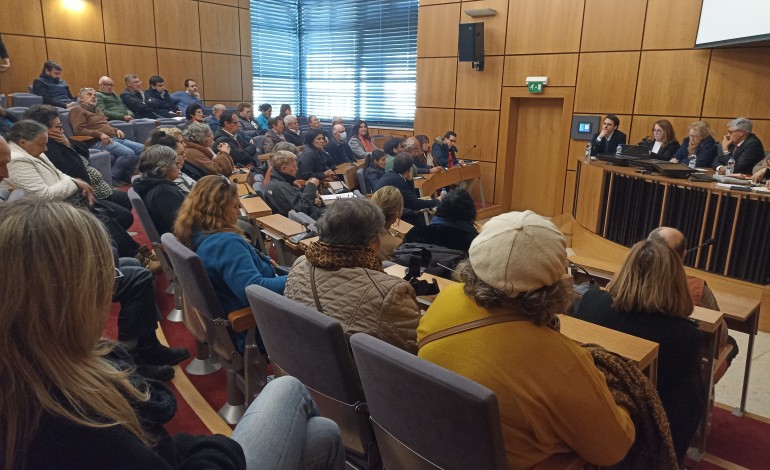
(551, 397)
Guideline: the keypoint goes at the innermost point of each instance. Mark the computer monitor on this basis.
(583, 127)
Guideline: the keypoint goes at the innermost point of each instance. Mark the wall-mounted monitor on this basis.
(729, 22)
(583, 127)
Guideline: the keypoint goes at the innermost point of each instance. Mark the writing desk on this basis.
(244, 189)
(400, 228)
(279, 228)
(425, 300)
(432, 182)
(239, 177)
(255, 207)
(348, 172)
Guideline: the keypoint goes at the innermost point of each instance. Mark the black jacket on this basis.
(746, 155)
(162, 199)
(340, 152)
(607, 146)
(411, 201)
(162, 105)
(441, 235)
(441, 153)
(67, 159)
(242, 152)
(138, 103)
(282, 196)
(372, 175)
(664, 153)
(293, 138)
(54, 91)
(312, 164)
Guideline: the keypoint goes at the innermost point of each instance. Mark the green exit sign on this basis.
(535, 87)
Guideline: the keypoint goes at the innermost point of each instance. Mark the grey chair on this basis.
(101, 160)
(312, 347)
(143, 128)
(16, 194)
(246, 371)
(17, 111)
(302, 218)
(4, 194)
(424, 416)
(3, 101)
(64, 117)
(126, 127)
(362, 182)
(25, 100)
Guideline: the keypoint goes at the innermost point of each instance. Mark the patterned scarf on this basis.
(325, 256)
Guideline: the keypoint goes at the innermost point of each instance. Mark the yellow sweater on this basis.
(552, 399)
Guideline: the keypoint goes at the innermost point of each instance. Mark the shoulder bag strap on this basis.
(315, 292)
(471, 325)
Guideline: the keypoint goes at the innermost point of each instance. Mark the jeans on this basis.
(282, 430)
(126, 153)
(139, 313)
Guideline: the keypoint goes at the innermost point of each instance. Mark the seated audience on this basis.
(391, 203)
(452, 226)
(246, 125)
(426, 160)
(552, 399)
(52, 88)
(699, 141)
(292, 134)
(338, 147)
(242, 152)
(137, 100)
(414, 148)
(213, 120)
(198, 140)
(337, 120)
(313, 160)
(341, 276)
(265, 111)
(282, 193)
(285, 111)
(360, 142)
(87, 119)
(160, 100)
(110, 103)
(159, 167)
(374, 169)
(401, 177)
(445, 152)
(607, 140)
(76, 392)
(6, 121)
(648, 298)
(274, 135)
(171, 137)
(662, 143)
(184, 98)
(392, 147)
(742, 145)
(194, 113)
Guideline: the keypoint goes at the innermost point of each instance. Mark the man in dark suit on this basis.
(242, 152)
(160, 100)
(292, 133)
(135, 99)
(609, 138)
(740, 144)
(401, 178)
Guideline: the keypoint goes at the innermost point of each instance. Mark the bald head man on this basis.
(110, 103)
(671, 237)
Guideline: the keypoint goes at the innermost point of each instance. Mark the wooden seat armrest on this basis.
(570, 461)
(82, 138)
(241, 320)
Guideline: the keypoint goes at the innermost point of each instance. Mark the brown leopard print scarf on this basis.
(322, 255)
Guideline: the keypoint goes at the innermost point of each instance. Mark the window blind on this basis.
(275, 52)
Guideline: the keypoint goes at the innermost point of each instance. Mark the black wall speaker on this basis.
(471, 42)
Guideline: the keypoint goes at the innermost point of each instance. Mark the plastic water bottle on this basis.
(588, 153)
(692, 158)
(619, 150)
(730, 166)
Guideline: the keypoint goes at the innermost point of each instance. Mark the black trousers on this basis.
(139, 313)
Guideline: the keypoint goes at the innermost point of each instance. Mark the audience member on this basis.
(648, 298)
(742, 145)
(242, 152)
(198, 140)
(391, 203)
(427, 157)
(160, 100)
(110, 103)
(274, 135)
(285, 111)
(171, 137)
(194, 113)
(360, 142)
(87, 119)
(52, 88)
(292, 133)
(338, 147)
(374, 169)
(514, 284)
(265, 111)
(159, 167)
(337, 120)
(135, 99)
(401, 177)
(341, 276)
(6, 121)
(662, 143)
(75, 391)
(313, 160)
(245, 122)
(314, 122)
(282, 193)
(6, 61)
(452, 226)
(699, 141)
(184, 98)
(413, 147)
(213, 120)
(608, 139)
(393, 147)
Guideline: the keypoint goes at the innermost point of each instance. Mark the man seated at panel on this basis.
(552, 399)
(52, 88)
(213, 120)
(160, 99)
(338, 146)
(742, 145)
(414, 148)
(607, 140)
(137, 100)
(282, 193)
(242, 152)
(401, 177)
(292, 133)
(87, 119)
(445, 152)
(110, 103)
(188, 96)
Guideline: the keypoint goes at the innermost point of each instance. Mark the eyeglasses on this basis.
(730, 132)
(454, 141)
(108, 84)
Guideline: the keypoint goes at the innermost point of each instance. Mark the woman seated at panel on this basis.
(360, 142)
(452, 227)
(282, 193)
(648, 298)
(374, 168)
(391, 203)
(274, 135)
(341, 276)
(699, 142)
(77, 403)
(198, 140)
(314, 161)
(662, 143)
(426, 160)
(159, 167)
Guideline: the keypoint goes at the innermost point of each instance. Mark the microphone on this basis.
(466, 153)
(708, 242)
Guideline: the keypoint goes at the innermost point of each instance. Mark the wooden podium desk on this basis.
(348, 173)
(429, 183)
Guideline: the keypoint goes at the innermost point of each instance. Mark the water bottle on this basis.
(619, 150)
(692, 158)
(730, 166)
(588, 153)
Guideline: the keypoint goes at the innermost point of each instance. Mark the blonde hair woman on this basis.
(648, 298)
(391, 203)
(699, 141)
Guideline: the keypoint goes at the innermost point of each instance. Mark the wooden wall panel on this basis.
(30, 22)
(62, 22)
(247, 79)
(25, 66)
(167, 31)
(577, 148)
(606, 82)
(671, 25)
(613, 26)
(134, 24)
(219, 26)
(543, 26)
(641, 126)
(480, 90)
(488, 172)
(243, 4)
(437, 30)
(245, 31)
(494, 26)
(83, 62)
(672, 82)
(231, 3)
(221, 85)
(561, 69)
(569, 192)
(738, 83)
(477, 128)
(142, 61)
(433, 121)
(177, 66)
(438, 77)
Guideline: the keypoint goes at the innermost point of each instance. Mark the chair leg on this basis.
(175, 315)
(203, 363)
(233, 410)
(254, 372)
